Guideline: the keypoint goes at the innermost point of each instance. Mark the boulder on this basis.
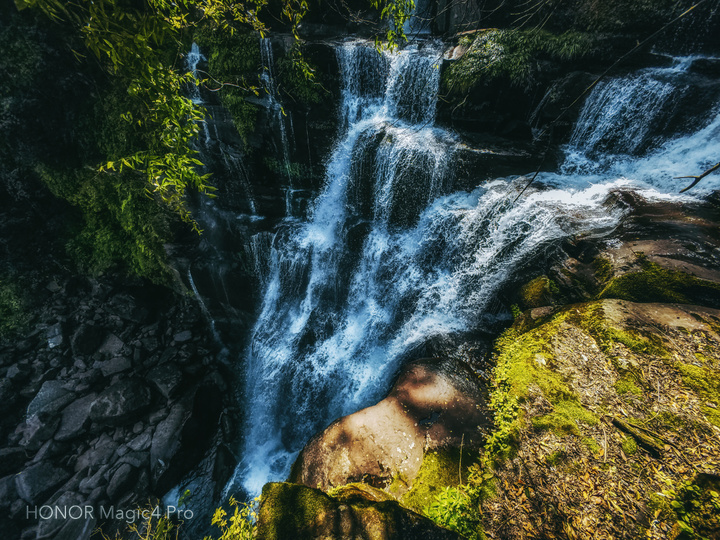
(166, 379)
(121, 402)
(121, 481)
(11, 459)
(75, 418)
(52, 396)
(35, 483)
(37, 429)
(304, 513)
(434, 403)
(87, 339)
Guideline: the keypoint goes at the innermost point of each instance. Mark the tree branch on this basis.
(698, 178)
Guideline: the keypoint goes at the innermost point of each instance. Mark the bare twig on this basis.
(699, 177)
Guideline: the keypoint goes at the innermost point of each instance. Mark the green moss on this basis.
(593, 320)
(706, 383)
(592, 445)
(14, 313)
(556, 458)
(603, 269)
(627, 386)
(233, 61)
(512, 54)
(563, 420)
(538, 292)
(440, 468)
(656, 284)
(629, 446)
(290, 510)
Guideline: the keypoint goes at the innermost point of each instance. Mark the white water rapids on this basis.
(390, 256)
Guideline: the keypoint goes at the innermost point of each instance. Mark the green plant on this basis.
(14, 315)
(240, 525)
(457, 510)
(696, 507)
(513, 54)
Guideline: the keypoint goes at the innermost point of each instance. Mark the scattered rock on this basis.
(53, 396)
(11, 459)
(121, 402)
(115, 365)
(87, 339)
(38, 481)
(166, 379)
(75, 418)
(182, 337)
(112, 345)
(37, 429)
(122, 480)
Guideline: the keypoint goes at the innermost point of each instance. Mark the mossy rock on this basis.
(656, 284)
(539, 292)
(293, 511)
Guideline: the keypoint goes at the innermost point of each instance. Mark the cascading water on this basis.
(277, 112)
(390, 259)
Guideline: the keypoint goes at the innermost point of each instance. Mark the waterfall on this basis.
(277, 113)
(622, 114)
(388, 259)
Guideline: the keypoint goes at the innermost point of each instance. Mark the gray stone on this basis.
(48, 527)
(97, 480)
(141, 442)
(53, 287)
(54, 335)
(37, 429)
(86, 339)
(138, 460)
(98, 455)
(52, 396)
(125, 307)
(121, 402)
(112, 345)
(166, 440)
(11, 459)
(166, 379)
(35, 483)
(182, 337)
(122, 480)
(77, 529)
(8, 493)
(75, 418)
(117, 364)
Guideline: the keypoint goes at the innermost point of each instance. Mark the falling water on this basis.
(277, 112)
(390, 257)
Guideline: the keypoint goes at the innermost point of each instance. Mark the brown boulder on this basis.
(433, 403)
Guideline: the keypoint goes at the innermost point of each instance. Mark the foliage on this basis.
(696, 507)
(240, 525)
(396, 13)
(453, 508)
(512, 54)
(136, 42)
(120, 226)
(14, 315)
(233, 65)
(297, 78)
